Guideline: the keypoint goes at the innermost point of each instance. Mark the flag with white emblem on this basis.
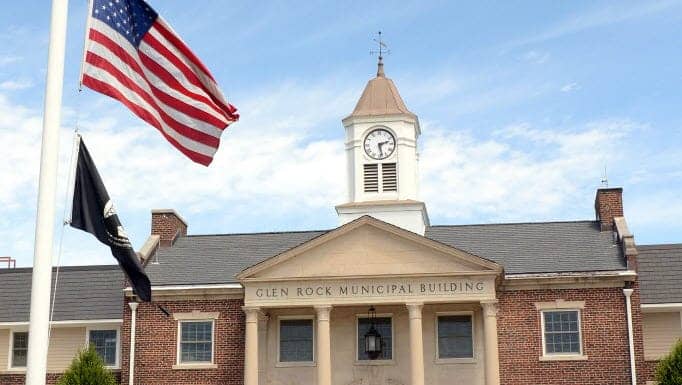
(92, 211)
(133, 55)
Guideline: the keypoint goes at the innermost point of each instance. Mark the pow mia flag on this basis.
(94, 213)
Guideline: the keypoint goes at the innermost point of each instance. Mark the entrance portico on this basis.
(414, 283)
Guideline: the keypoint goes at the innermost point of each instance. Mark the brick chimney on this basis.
(608, 204)
(168, 225)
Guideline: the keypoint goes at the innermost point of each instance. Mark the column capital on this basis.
(489, 307)
(253, 313)
(415, 309)
(323, 312)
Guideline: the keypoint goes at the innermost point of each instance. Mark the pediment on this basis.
(369, 247)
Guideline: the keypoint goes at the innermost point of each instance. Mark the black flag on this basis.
(94, 213)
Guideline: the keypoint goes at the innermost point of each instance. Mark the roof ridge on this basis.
(516, 223)
(257, 233)
(661, 246)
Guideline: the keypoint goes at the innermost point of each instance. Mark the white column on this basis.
(251, 346)
(492, 362)
(131, 361)
(39, 319)
(631, 343)
(416, 344)
(324, 352)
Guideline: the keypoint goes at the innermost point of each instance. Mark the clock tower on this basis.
(381, 158)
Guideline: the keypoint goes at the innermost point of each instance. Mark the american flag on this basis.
(134, 56)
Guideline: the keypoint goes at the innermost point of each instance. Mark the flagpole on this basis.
(39, 321)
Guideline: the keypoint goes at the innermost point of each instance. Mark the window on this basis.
(19, 349)
(384, 325)
(296, 340)
(196, 342)
(561, 332)
(455, 336)
(105, 343)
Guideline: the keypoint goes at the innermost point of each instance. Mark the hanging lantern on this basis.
(373, 342)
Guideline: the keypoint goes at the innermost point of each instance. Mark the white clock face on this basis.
(379, 144)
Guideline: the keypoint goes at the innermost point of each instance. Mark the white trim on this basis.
(70, 323)
(196, 315)
(284, 364)
(456, 360)
(562, 356)
(193, 364)
(191, 287)
(588, 274)
(656, 307)
(390, 361)
(88, 329)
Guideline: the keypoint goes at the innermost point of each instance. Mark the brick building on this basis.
(388, 298)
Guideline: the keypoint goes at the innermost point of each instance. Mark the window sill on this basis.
(194, 366)
(564, 357)
(374, 363)
(294, 364)
(14, 371)
(449, 361)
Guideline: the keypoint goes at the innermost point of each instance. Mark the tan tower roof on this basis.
(380, 97)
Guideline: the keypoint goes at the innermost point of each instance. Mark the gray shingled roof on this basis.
(660, 273)
(210, 259)
(519, 247)
(542, 247)
(83, 293)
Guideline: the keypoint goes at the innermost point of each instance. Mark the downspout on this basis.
(628, 305)
(131, 361)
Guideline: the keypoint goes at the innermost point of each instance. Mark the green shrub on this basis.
(87, 368)
(669, 369)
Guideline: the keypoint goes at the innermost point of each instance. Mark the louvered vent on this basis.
(389, 178)
(371, 178)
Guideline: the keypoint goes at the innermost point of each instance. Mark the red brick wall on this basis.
(167, 226)
(20, 379)
(608, 204)
(156, 344)
(604, 332)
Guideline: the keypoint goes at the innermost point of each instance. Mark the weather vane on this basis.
(383, 48)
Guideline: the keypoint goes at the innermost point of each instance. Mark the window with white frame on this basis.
(19, 349)
(455, 336)
(105, 343)
(561, 332)
(296, 340)
(383, 325)
(196, 342)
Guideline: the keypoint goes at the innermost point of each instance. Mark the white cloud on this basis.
(14, 85)
(570, 87)
(9, 59)
(598, 17)
(520, 173)
(536, 57)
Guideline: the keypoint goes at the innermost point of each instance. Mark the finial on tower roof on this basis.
(383, 49)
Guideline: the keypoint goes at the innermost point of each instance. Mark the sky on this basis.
(524, 107)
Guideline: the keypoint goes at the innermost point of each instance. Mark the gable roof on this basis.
(518, 247)
(214, 259)
(367, 220)
(542, 247)
(660, 273)
(83, 293)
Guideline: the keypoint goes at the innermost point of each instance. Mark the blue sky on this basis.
(522, 105)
